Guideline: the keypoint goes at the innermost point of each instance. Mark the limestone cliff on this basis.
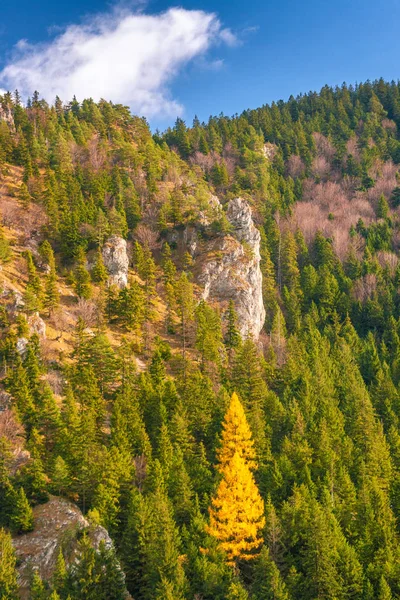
(116, 260)
(228, 268)
(7, 116)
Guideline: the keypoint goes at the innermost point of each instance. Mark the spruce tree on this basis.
(8, 573)
(51, 293)
(81, 276)
(37, 588)
(22, 514)
(59, 579)
(99, 272)
(268, 583)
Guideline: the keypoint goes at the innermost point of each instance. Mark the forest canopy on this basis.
(222, 466)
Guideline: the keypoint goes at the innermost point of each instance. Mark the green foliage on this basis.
(99, 272)
(82, 277)
(8, 574)
(22, 515)
(134, 440)
(5, 251)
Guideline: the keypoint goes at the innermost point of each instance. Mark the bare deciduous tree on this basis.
(295, 166)
(11, 429)
(324, 147)
(147, 237)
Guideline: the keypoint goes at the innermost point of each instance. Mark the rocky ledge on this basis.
(57, 525)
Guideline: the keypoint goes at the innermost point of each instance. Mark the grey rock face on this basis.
(12, 299)
(7, 116)
(57, 524)
(229, 269)
(116, 260)
(37, 325)
(21, 346)
(5, 400)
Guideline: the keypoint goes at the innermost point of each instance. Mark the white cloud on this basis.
(127, 57)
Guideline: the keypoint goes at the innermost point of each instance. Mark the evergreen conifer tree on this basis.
(8, 573)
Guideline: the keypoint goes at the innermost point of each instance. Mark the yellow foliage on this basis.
(236, 436)
(237, 512)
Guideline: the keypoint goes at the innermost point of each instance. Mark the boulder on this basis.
(116, 260)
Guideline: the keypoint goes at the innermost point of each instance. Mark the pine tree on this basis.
(268, 583)
(384, 590)
(37, 588)
(237, 591)
(237, 512)
(51, 293)
(96, 574)
(232, 335)
(8, 573)
(22, 515)
(131, 307)
(185, 303)
(382, 210)
(81, 276)
(24, 196)
(60, 476)
(33, 293)
(99, 272)
(59, 578)
(208, 336)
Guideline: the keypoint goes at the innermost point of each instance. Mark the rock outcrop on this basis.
(58, 524)
(116, 260)
(37, 325)
(229, 269)
(22, 345)
(7, 116)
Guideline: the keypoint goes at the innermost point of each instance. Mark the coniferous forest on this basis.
(202, 462)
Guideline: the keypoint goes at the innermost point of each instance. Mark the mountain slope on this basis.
(133, 268)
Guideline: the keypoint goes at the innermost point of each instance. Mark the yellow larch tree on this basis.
(237, 512)
(236, 436)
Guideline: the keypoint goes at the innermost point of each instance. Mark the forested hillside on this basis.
(197, 458)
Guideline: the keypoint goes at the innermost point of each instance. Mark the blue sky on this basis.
(250, 53)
